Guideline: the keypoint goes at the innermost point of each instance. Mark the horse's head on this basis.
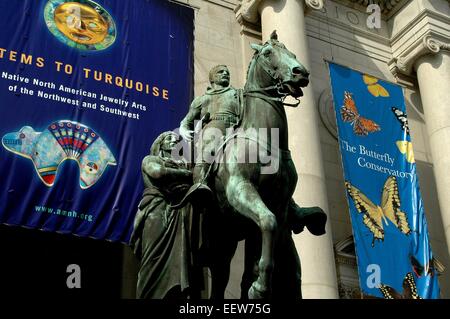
(274, 65)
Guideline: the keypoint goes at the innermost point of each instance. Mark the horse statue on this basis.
(242, 187)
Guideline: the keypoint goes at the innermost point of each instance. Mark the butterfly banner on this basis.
(389, 225)
(85, 88)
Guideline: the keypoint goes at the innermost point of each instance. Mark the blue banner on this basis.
(85, 88)
(389, 226)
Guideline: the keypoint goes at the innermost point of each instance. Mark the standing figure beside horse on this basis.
(163, 239)
(242, 187)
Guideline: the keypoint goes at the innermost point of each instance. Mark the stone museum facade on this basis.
(410, 47)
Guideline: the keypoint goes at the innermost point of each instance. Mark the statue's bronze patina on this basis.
(245, 200)
(218, 108)
(161, 237)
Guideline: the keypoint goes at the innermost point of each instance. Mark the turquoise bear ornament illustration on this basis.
(62, 140)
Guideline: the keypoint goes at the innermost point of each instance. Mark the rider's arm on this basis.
(187, 124)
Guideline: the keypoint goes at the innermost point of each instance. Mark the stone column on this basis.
(433, 75)
(316, 253)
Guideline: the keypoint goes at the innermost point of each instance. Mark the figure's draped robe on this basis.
(165, 240)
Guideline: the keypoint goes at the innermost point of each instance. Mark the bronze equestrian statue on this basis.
(247, 201)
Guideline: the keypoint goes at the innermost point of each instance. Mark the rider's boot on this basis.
(314, 218)
(199, 193)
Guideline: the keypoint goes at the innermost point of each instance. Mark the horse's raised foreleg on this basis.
(244, 198)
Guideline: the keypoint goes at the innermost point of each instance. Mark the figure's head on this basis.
(81, 23)
(220, 75)
(164, 144)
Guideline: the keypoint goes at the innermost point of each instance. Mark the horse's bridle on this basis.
(260, 93)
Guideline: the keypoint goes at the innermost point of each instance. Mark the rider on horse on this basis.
(219, 108)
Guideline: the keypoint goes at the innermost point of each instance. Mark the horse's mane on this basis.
(249, 65)
(272, 42)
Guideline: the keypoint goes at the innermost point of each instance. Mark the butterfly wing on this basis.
(402, 118)
(390, 204)
(349, 102)
(410, 288)
(371, 213)
(348, 111)
(348, 115)
(369, 80)
(363, 126)
(374, 88)
(359, 129)
(382, 91)
(389, 292)
(428, 269)
(406, 148)
(378, 90)
(418, 269)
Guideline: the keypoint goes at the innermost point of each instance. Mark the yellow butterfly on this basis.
(406, 148)
(374, 88)
(374, 215)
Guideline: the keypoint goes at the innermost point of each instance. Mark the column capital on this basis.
(434, 45)
(403, 65)
(315, 4)
(417, 32)
(248, 10)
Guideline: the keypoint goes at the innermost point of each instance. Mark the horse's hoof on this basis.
(256, 292)
(317, 222)
(314, 218)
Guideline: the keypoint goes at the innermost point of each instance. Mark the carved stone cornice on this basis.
(404, 63)
(343, 259)
(247, 10)
(385, 5)
(426, 32)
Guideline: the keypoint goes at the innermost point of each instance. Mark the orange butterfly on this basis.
(349, 113)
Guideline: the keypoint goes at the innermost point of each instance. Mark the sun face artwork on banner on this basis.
(394, 256)
(82, 24)
(85, 88)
